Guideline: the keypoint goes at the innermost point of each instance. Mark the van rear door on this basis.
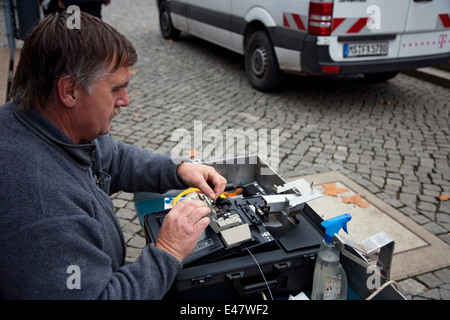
(386, 29)
(367, 31)
(427, 28)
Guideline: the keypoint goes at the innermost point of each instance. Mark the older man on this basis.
(59, 236)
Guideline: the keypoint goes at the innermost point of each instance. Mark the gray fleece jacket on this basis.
(59, 236)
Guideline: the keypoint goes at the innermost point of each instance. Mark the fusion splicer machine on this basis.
(248, 219)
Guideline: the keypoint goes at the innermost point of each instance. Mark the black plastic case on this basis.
(285, 268)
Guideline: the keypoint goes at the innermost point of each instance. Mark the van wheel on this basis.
(168, 31)
(261, 64)
(380, 76)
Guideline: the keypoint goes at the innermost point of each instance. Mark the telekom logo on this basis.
(442, 40)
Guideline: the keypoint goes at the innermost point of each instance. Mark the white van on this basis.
(377, 38)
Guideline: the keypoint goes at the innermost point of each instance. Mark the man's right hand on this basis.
(182, 227)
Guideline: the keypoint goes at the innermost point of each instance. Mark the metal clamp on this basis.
(379, 247)
(302, 189)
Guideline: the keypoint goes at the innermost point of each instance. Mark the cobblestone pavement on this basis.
(392, 138)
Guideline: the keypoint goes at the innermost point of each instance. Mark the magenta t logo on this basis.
(442, 40)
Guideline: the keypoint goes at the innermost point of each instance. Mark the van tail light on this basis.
(320, 17)
(330, 69)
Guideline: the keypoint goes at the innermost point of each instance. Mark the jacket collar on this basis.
(79, 154)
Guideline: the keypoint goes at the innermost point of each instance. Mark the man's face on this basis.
(101, 104)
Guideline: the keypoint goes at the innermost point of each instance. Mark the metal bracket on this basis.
(304, 191)
(379, 247)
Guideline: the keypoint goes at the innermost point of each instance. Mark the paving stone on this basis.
(411, 287)
(127, 214)
(426, 206)
(443, 274)
(443, 218)
(133, 253)
(445, 237)
(119, 203)
(136, 242)
(430, 280)
(434, 228)
(433, 294)
(420, 219)
(444, 293)
(125, 196)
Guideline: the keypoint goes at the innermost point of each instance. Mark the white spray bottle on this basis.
(330, 280)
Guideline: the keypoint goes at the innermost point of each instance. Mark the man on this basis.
(59, 237)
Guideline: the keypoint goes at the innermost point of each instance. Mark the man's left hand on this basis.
(203, 177)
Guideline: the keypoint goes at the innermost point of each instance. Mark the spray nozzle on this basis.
(335, 224)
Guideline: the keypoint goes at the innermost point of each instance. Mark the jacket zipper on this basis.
(99, 179)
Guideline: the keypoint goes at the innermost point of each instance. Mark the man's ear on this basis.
(67, 87)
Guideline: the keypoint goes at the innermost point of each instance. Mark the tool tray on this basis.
(280, 258)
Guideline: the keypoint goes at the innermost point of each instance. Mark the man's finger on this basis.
(202, 224)
(213, 180)
(219, 183)
(206, 189)
(197, 214)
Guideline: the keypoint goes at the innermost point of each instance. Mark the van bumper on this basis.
(316, 59)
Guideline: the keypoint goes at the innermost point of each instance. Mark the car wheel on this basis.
(168, 31)
(261, 65)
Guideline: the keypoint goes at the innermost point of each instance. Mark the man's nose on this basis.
(124, 99)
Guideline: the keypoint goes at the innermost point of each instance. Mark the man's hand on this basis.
(182, 228)
(184, 224)
(202, 177)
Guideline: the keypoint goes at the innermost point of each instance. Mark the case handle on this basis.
(243, 289)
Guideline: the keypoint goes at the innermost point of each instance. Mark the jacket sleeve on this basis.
(62, 258)
(134, 169)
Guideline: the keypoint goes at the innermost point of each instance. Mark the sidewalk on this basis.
(430, 74)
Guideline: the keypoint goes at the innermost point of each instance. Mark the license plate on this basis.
(366, 49)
